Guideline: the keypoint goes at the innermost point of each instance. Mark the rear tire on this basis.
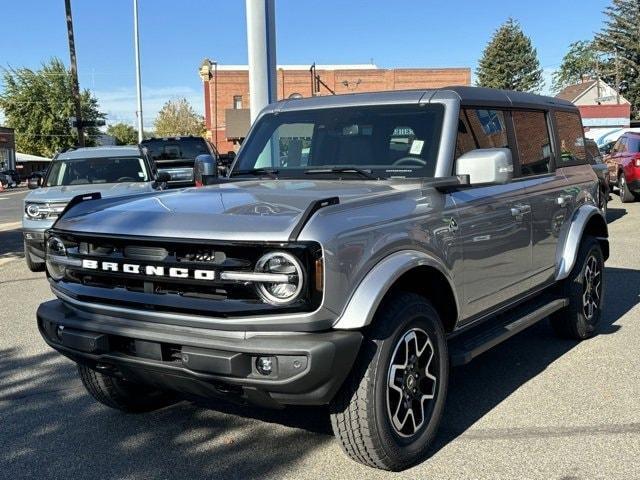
(626, 195)
(381, 416)
(120, 394)
(585, 290)
(31, 265)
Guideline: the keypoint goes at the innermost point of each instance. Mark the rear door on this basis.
(614, 158)
(494, 222)
(546, 188)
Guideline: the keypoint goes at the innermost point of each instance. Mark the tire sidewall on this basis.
(414, 315)
(586, 328)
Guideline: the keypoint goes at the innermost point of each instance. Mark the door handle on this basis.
(520, 210)
(563, 200)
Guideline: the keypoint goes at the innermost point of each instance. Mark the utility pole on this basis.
(136, 40)
(75, 88)
(617, 79)
(261, 42)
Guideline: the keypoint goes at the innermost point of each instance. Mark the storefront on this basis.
(7, 149)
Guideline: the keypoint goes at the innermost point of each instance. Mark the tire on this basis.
(31, 265)
(362, 411)
(579, 321)
(626, 196)
(121, 394)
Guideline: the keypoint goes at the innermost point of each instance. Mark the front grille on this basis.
(208, 293)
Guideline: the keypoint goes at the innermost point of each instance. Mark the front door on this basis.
(495, 231)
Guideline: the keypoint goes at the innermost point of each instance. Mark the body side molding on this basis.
(365, 300)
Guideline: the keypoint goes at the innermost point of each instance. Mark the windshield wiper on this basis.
(272, 172)
(359, 171)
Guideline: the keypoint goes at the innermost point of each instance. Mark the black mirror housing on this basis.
(34, 182)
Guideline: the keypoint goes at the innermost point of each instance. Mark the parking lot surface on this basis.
(534, 407)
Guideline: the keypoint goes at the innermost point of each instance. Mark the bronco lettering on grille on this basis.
(149, 270)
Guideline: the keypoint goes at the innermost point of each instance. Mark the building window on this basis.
(237, 102)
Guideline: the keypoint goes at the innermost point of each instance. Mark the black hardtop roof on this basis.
(466, 95)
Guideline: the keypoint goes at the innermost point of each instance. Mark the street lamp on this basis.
(205, 73)
(136, 40)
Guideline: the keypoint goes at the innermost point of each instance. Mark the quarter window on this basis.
(571, 136)
(534, 146)
(480, 128)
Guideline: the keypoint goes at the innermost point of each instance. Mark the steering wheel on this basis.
(409, 161)
(126, 179)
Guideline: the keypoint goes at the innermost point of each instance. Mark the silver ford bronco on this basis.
(359, 247)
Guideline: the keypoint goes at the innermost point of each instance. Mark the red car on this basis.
(624, 166)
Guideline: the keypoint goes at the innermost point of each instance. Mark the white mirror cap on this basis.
(486, 165)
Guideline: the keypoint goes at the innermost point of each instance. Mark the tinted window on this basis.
(385, 141)
(620, 146)
(176, 149)
(571, 136)
(481, 128)
(83, 171)
(534, 146)
(633, 144)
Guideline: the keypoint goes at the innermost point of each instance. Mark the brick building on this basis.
(226, 89)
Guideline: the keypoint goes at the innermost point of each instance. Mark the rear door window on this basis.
(633, 144)
(534, 145)
(571, 138)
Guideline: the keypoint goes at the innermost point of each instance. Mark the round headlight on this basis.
(55, 248)
(33, 210)
(280, 263)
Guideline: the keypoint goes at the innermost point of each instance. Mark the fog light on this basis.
(264, 365)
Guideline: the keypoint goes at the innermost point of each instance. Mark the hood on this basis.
(248, 210)
(65, 193)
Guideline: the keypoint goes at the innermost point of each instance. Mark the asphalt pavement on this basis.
(534, 407)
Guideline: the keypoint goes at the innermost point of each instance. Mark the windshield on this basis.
(175, 149)
(372, 142)
(84, 171)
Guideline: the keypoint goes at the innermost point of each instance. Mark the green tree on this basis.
(620, 37)
(123, 133)
(580, 60)
(38, 105)
(177, 117)
(509, 61)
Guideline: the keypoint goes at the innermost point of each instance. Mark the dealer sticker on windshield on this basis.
(416, 147)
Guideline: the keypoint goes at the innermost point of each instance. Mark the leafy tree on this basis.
(177, 117)
(123, 133)
(580, 60)
(621, 35)
(38, 105)
(509, 61)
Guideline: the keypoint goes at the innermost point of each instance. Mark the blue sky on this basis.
(176, 35)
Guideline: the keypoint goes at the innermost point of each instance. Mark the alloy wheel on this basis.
(411, 385)
(592, 288)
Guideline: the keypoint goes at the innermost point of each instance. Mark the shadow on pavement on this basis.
(11, 243)
(614, 214)
(478, 387)
(52, 428)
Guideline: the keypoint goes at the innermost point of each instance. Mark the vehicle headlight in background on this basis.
(32, 210)
(280, 263)
(56, 258)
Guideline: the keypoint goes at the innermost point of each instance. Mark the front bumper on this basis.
(34, 244)
(308, 368)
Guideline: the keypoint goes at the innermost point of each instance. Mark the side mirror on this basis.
(163, 177)
(486, 165)
(34, 182)
(205, 170)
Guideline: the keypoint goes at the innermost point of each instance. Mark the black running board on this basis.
(468, 345)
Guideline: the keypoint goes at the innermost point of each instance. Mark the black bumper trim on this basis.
(224, 361)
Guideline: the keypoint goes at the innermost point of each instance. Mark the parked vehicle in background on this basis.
(176, 156)
(14, 175)
(111, 171)
(606, 148)
(624, 166)
(6, 181)
(420, 229)
(602, 171)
